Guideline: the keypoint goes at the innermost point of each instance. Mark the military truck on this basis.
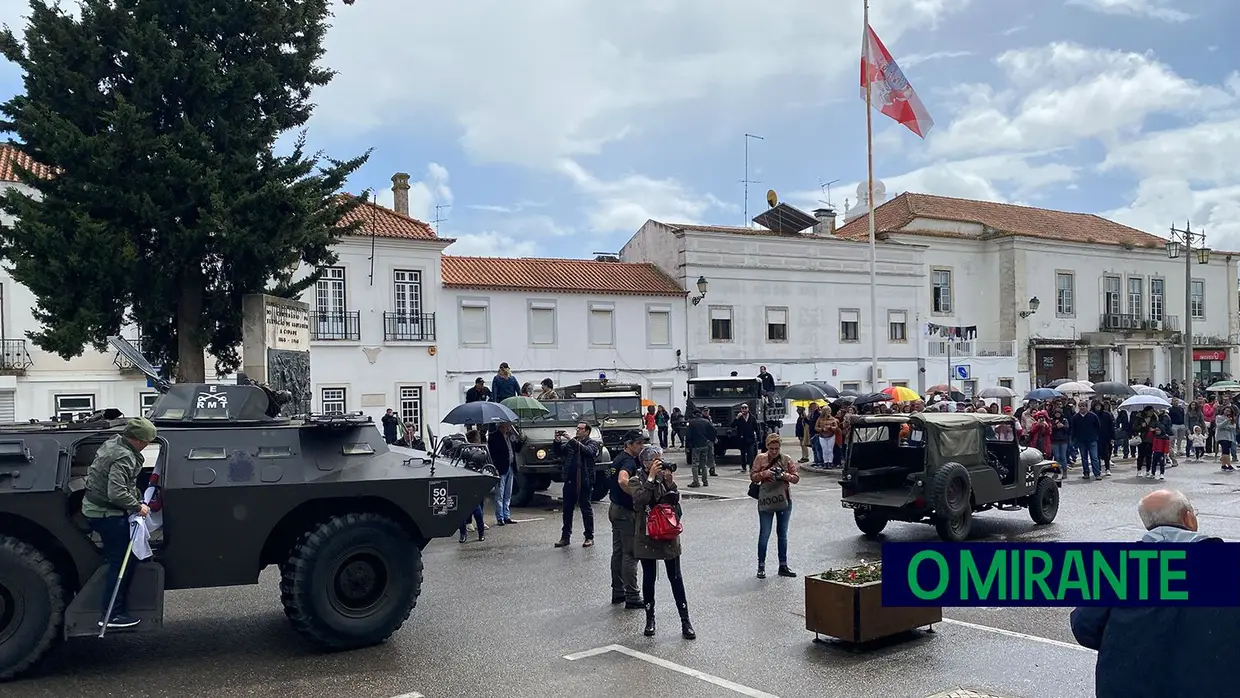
(321, 497)
(724, 397)
(618, 407)
(538, 465)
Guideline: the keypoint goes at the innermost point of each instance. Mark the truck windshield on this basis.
(725, 390)
(618, 406)
(566, 411)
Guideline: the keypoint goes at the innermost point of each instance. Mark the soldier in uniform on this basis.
(111, 498)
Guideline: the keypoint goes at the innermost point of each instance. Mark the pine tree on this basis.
(168, 201)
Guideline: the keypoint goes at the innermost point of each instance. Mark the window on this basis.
(334, 401)
(1112, 301)
(850, 325)
(329, 302)
(1156, 299)
(147, 403)
(602, 324)
(542, 323)
(720, 323)
(407, 297)
(475, 322)
(855, 387)
(659, 325)
(897, 326)
(1005, 383)
(1065, 294)
(776, 324)
(1135, 305)
(1197, 296)
(70, 406)
(899, 384)
(941, 291)
(409, 406)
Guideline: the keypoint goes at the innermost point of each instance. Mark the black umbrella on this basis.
(1114, 388)
(849, 392)
(842, 402)
(480, 413)
(1057, 383)
(805, 391)
(830, 390)
(871, 399)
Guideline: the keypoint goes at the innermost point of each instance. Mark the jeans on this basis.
(478, 522)
(1089, 454)
(703, 462)
(749, 453)
(503, 496)
(816, 443)
(1158, 463)
(1145, 453)
(114, 534)
(623, 564)
(663, 437)
(678, 434)
(1059, 451)
(1178, 434)
(1106, 446)
(577, 496)
(780, 518)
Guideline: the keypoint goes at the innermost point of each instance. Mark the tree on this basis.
(167, 200)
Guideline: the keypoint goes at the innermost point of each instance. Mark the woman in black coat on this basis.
(1123, 432)
(1106, 438)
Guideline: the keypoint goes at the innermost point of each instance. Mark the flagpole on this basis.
(869, 155)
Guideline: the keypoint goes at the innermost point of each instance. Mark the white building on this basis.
(1111, 304)
(563, 319)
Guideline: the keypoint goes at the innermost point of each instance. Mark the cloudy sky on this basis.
(556, 127)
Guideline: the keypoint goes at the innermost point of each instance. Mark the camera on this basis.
(776, 473)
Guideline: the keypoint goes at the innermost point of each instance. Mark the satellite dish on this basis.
(772, 199)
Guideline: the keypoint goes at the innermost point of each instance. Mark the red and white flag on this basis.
(890, 92)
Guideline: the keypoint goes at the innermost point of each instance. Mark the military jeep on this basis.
(538, 465)
(940, 468)
(321, 497)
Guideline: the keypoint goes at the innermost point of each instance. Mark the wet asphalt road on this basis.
(497, 618)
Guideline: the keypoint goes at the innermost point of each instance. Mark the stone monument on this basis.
(275, 346)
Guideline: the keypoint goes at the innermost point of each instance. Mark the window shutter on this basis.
(660, 328)
(897, 317)
(777, 317)
(473, 325)
(600, 327)
(850, 316)
(720, 314)
(542, 326)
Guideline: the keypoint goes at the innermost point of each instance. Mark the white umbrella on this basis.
(1147, 390)
(1075, 388)
(1140, 402)
(998, 392)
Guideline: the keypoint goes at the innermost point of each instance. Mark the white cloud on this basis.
(1202, 153)
(1153, 9)
(425, 195)
(624, 204)
(491, 244)
(913, 59)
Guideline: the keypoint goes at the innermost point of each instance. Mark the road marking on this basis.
(1023, 636)
(410, 695)
(660, 662)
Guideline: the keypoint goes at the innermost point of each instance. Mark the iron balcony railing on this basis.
(13, 355)
(936, 348)
(139, 342)
(1132, 322)
(336, 326)
(406, 327)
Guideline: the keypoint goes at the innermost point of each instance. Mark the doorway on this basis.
(1051, 365)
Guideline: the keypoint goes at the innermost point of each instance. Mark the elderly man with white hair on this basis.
(1159, 652)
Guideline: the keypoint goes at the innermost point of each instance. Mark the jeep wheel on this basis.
(949, 490)
(955, 528)
(32, 606)
(524, 486)
(601, 489)
(1044, 502)
(352, 581)
(870, 523)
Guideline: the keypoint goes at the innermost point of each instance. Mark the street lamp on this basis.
(701, 287)
(1189, 241)
(1034, 304)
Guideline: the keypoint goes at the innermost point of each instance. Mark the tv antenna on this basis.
(826, 191)
(747, 181)
(438, 215)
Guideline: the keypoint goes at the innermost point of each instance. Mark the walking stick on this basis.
(117, 588)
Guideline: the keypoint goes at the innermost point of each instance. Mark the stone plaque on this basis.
(276, 346)
(287, 324)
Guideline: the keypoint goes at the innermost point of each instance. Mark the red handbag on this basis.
(662, 523)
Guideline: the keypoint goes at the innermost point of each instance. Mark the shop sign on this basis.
(1209, 355)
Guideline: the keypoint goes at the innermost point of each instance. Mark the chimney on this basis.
(825, 227)
(400, 193)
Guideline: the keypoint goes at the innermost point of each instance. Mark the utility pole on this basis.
(1188, 241)
(746, 181)
(438, 215)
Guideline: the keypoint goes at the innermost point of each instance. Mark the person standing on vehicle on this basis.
(579, 454)
(504, 444)
(745, 428)
(655, 485)
(548, 391)
(700, 439)
(1085, 429)
(768, 381)
(111, 498)
(775, 473)
(504, 385)
(623, 564)
(661, 421)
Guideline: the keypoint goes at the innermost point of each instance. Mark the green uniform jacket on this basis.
(112, 481)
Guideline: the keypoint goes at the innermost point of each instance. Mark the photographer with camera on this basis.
(656, 501)
(579, 453)
(773, 474)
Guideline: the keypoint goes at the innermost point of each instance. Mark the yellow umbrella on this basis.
(899, 393)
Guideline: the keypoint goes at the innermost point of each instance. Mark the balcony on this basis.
(404, 327)
(139, 342)
(335, 327)
(1127, 322)
(14, 359)
(974, 349)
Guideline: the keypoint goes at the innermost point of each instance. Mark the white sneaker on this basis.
(1162, 476)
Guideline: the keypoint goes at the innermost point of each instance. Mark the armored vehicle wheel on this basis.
(1044, 502)
(601, 488)
(32, 606)
(351, 582)
(524, 486)
(870, 523)
(955, 528)
(949, 489)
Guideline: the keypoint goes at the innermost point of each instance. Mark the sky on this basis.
(555, 128)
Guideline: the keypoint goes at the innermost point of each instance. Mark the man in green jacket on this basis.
(111, 498)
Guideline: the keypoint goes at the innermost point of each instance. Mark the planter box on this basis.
(855, 613)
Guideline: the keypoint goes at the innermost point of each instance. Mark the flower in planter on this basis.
(864, 573)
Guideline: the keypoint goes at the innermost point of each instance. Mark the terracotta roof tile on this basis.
(11, 157)
(558, 275)
(998, 220)
(387, 223)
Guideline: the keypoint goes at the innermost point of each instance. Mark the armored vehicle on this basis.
(724, 397)
(321, 497)
(940, 468)
(618, 407)
(538, 465)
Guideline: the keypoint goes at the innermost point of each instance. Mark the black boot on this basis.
(686, 628)
(649, 631)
